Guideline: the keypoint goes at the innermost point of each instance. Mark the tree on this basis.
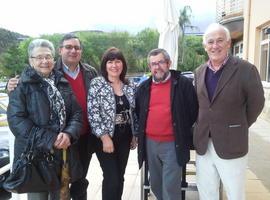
(55, 39)
(184, 18)
(184, 23)
(94, 45)
(143, 42)
(12, 61)
(194, 53)
(134, 47)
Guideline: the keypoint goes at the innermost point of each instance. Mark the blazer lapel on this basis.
(228, 71)
(201, 81)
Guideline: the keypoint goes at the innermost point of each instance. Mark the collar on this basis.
(72, 74)
(166, 79)
(210, 66)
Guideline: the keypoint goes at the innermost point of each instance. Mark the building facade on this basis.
(231, 14)
(249, 23)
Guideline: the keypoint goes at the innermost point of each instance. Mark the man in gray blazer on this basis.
(231, 97)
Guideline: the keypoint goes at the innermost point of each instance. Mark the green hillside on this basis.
(8, 38)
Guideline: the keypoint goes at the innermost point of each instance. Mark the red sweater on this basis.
(78, 88)
(159, 120)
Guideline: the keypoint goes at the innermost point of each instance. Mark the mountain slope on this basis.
(9, 38)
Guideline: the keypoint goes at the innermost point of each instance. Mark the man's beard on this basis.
(162, 78)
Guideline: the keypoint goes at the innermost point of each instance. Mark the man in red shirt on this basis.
(166, 107)
(79, 76)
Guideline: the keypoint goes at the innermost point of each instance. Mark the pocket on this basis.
(237, 138)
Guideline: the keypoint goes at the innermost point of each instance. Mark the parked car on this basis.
(4, 161)
(3, 85)
(138, 79)
(4, 140)
(189, 75)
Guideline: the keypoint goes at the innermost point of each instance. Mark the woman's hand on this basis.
(134, 143)
(12, 83)
(107, 143)
(62, 141)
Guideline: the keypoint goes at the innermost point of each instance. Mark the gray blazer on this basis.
(236, 104)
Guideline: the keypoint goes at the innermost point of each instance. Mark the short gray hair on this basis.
(214, 27)
(157, 51)
(36, 43)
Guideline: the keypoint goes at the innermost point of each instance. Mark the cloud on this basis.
(35, 17)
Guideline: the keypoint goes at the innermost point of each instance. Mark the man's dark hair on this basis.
(69, 36)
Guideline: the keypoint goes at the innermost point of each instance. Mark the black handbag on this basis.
(34, 171)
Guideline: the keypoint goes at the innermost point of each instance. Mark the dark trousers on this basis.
(78, 189)
(114, 164)
(44, 195)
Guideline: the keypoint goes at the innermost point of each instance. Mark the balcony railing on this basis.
(229, 8)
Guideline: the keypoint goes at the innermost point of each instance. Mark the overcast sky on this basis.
(35, 17)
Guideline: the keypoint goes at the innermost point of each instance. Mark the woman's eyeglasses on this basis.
(41, 58)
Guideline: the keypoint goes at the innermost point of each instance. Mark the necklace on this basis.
(120, 101)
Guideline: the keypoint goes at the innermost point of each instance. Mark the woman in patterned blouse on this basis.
(110, 112)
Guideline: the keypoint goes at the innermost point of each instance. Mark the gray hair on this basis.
(157, 51)
(214, 27)
(36, 43)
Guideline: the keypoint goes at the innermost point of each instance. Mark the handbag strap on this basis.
(31, 140)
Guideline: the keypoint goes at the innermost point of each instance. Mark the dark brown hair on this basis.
(112, 54)
(69, 36)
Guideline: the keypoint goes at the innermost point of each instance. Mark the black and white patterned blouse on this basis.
(101, 106)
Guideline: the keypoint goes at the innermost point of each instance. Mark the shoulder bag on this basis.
(34, 171)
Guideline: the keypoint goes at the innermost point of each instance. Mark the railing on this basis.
(4, 169)
(229, 8)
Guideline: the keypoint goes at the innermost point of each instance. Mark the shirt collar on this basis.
(210, 66)
(72, 74)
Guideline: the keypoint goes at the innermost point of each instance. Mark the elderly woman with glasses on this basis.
(43, 103)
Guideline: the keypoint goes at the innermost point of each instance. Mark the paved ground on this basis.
(258, 176)
(258, 172)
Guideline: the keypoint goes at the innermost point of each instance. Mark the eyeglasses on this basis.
(41, 58)
(218, 42)
(159, 63)
(70, 47)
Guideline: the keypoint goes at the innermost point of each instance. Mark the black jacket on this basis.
(29, 110)
(88, 72)
(184, 111)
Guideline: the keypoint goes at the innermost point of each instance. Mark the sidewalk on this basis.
(258, 172)
(132, 179)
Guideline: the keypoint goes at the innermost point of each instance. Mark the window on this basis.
(238, 49)
(264, 55)
(264, 33)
